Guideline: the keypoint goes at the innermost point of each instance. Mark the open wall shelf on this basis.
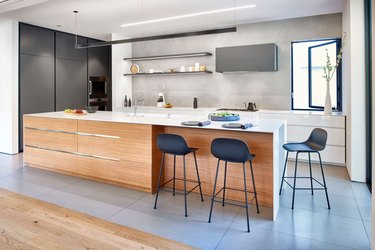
(171, 73)
(198, 54)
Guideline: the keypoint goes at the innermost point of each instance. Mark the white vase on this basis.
(328, 103)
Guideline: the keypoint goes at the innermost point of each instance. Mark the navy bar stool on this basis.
(176, 145)
(236, 151)
(314, 144)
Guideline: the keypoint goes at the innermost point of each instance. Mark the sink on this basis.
(151, 115)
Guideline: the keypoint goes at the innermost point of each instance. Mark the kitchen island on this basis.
(120, 148)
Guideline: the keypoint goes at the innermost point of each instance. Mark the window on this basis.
(308, 84)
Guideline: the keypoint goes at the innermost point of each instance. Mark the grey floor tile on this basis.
(23, 187)
(364, 206)
(261, 239)
(43, 178)
(167, 222)
(115, 197)
(85, 205)
(360, 190)
(368, 227)
(4, 171)
(340, 205)
(332, 229)
(195, 205)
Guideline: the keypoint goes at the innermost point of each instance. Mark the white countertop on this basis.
(164, 119)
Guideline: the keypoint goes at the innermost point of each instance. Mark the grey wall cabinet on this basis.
(98, 60)
(37, 41)
(71, 72)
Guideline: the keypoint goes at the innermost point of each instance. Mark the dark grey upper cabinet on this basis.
(71, 84)
(65, 47)
(260, 57)
(98, 60)
(37, 41)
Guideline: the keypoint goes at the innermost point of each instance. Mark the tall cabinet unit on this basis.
(36, 74)
(71, 72)
(53, 75)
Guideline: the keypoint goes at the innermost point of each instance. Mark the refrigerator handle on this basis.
(90, 87)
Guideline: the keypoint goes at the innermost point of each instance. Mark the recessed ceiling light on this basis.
(188, 15)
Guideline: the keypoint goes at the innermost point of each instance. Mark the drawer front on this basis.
(331, 154)
(50, 159)
(336, 136)
(50, 140)
(309, 120)
(126, 172)
(117, 129)
(117, 148)
(55, 124)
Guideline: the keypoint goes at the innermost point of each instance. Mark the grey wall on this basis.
(270, 90)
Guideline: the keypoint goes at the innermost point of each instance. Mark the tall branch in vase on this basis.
(329, 72)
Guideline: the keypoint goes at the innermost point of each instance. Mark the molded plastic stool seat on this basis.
(316, 142)
(176, 145)
(236, 151)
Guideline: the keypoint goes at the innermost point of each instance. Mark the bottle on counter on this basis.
(130, 103)
(195, 103)
(126, 101)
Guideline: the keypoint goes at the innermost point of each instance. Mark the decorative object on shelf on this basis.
(182, 69)
(196, 67)
(134, 69)
(171, 73)
(161, 100)
(202, 68)
(168, 105)
(195, 103)
(224, 116)
(126, 101)
(151, 71)
(172, 70)
(190, 69)
(130, 103)
(329, 71)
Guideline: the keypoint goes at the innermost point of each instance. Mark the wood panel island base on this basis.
(121, 150)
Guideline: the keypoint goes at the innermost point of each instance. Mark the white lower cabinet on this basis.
(300, 125)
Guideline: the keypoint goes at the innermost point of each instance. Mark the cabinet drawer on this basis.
(126, 172)
(117, 148)
(50, 159)
(50, 140)
(331, 154)
(336, 136)
(117, 129)
(55, 124)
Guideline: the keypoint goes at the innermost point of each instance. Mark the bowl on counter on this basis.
(91, 109)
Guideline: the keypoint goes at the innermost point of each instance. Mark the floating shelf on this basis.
(168, 56)
(171, 73)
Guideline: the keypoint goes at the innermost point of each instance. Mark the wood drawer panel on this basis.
(50, 159)
(126, 172)
(50, 140)
(125, 149)
(336, 136)
(67, 125)
(123, 130)
(331, 154)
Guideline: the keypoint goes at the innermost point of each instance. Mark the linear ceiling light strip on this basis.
(159, 37)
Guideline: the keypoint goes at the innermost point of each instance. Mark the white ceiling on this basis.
(100, 18)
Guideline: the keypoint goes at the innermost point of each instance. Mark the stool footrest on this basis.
(303, 177)
(179, 180)
(234, 204)
(235, 189)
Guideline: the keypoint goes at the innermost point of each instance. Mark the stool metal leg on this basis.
(324, 180)
(255, 190)
(311, 180)
(174, 175)
(295, 175)
(199, 180)
(282, 179)
(225, 182)
(185, 187)
(247, 204)
(214, 191)
(160, 173)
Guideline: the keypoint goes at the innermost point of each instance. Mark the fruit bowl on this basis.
(91, 109)
(224, 116)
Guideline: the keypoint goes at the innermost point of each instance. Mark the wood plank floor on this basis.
(27, 223)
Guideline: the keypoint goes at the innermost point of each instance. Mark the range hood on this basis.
(259, 57)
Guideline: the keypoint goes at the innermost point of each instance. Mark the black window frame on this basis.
(338, 77)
